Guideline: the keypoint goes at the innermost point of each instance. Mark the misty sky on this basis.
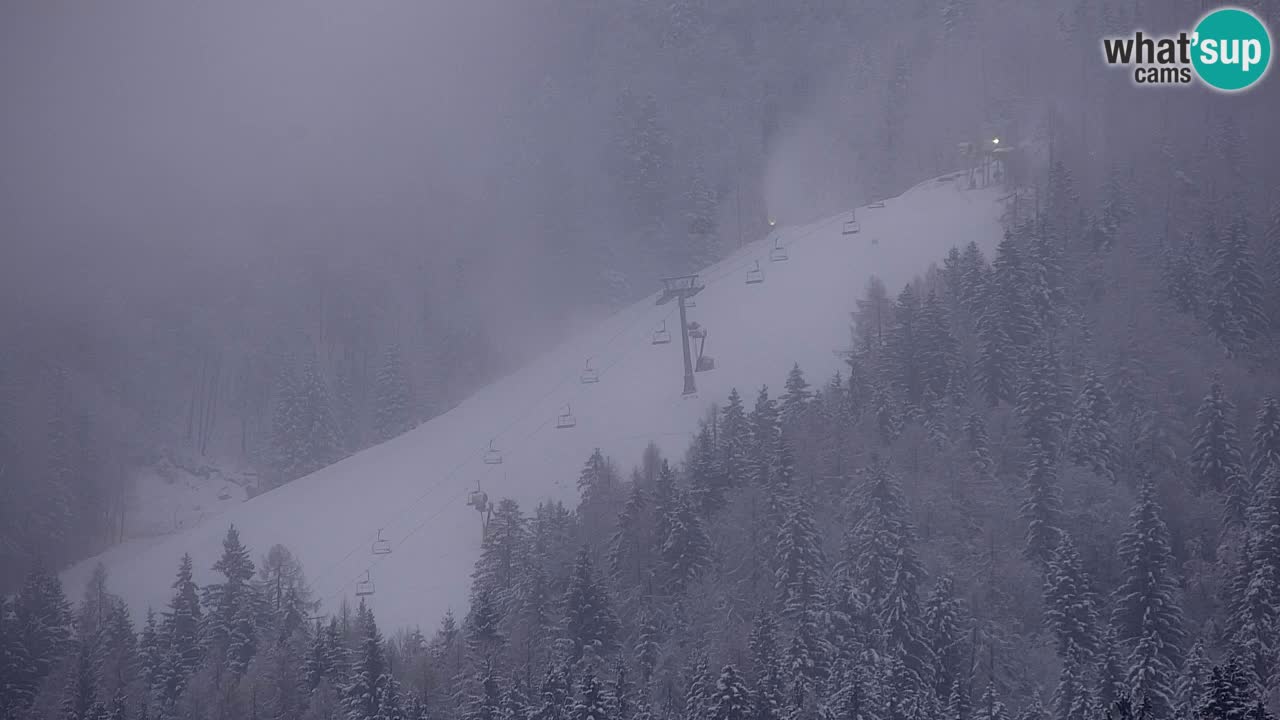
(140, 136)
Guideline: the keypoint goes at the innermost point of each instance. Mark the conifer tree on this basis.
(1255, 610)
(1071, 698)
(735, 439)
(940, 354)
(698, 698)
(1070, 605)
(589, 618)
(1235, 308)
(630, 544)
(1215, 455)
(686, 550)
(903, 358)
(796, 399)
(975, 429)
(393, 410)
(1192, 684)
(362, 694)
(591, 703)
(1042, 508)
(1091, 441)
(233, 606)
(799, 576)
(647, 648)
(731, 700)
(1146, 609)
(990, 707)
(80, 698)
(504, 556)
(1266, 440)
(995, 371)
(763, 422)
(1042, 398)
(945, 638)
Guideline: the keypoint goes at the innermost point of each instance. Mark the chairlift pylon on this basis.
(778, 253)
(589, 374)
(492, 456)
(566, 419)
(661, 336)
(364, 587)
(755, 275)
(381, 546)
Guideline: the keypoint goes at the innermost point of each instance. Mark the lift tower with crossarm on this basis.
(680, 289)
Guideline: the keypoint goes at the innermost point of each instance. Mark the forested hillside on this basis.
(1046, 486)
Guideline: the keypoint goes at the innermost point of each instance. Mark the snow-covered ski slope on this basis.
(414, 488)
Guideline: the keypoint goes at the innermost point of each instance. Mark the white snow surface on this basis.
(414, 487)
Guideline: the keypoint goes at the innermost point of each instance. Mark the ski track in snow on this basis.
(415, 487)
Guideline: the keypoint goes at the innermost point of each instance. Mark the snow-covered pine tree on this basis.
(1255, 610)
(1192, 684)
(946, 639)
(630, 545)
(1216, 459)
(1146, 609)
(764, 424)
(995, 370)
(989, 706)
(504, 556)
(590, 621)
(393, 408)
(902, 362)
(1042, 398)
(686, 549)
(735, 441)
(795, 401)
(1070, 604)
(940, 353)
(1235, 309)
(484, 636)
(975, 429)
(731, 700)
(229, 630)
(361, 694)
(1266, 440)
(1042, 508)
(801, 565)
(701, 688)
(1091, 440)
(591, 703)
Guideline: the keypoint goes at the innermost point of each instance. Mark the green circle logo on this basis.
(1231, 49)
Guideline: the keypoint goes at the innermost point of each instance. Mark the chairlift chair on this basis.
(851, 225)
(661, 336)
(364, 587)
(589, 374)
(381, 546)
(690, 303)
(492, 456)
(566, 419)
(877, 204)
(478, 499)
(755, 275)
(778, 253)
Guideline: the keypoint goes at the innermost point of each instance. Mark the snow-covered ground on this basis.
(168, 498)
(414, 488)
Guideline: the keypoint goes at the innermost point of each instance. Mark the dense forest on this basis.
(1047, 486)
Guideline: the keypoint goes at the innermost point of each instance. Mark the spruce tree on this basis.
(1042, 508)
(1235, 312)
(589, 618)
(1255, 609)
(799, 576)
(1146, 609)
(1042, 398)
(995, 371)
(1070, 605)
(1215, 455)
(735, 439)
(361, 695)
(686, 549)
(764, 425)
(1091, 441)
(1266, 440)
(591, 704)
(393, 409)
(795, 401)
(990, 707)
(946, 639)
(731, 700)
